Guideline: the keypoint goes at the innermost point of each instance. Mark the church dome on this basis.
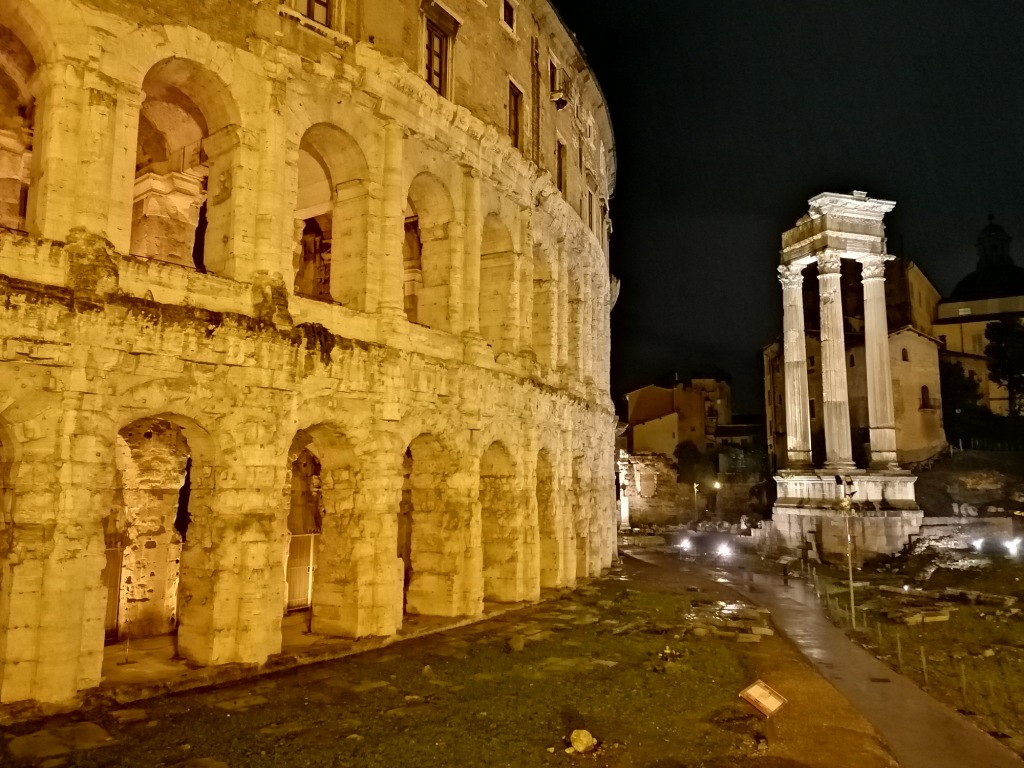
(996, 275)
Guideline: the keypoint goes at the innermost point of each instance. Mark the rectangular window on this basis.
(317, 10)
(560, 152)
(437, 57)
(811, 409)
(810, 364)
(554, 77)
(508, 14)
(590, 210)
(515, 106)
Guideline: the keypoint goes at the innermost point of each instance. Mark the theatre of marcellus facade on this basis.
(305, 305)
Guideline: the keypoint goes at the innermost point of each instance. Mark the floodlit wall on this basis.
(206, 299)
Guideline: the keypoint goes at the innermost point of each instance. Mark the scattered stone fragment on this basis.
(699, 631)
(515, 643)
(767, 631)
(282, 730)
(124, 716)
(582, 741)
(369, 686)
(242, 703)
(744, 638)
(51, 742)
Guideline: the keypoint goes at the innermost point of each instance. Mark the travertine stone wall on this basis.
(173, 338)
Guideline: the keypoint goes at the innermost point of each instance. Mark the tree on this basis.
(962, 415)
(694, 466)
(1005, 353)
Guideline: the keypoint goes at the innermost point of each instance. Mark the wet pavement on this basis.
(920, 731)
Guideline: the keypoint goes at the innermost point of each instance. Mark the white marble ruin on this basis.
(808, 507)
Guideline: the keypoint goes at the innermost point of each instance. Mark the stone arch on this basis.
(501, 523)
(322, 519)
(332, 217)
(431, 538)
(428, 252)
(188, 138)
(497, 279)
(17, 127)
(161, 496)
(545, 306)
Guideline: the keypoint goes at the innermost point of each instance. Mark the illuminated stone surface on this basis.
(260, 281)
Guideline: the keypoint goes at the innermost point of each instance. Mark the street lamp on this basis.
(695, 487)
(846, 505)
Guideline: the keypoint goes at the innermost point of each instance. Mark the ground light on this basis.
(685, 545)
(1013, 547)
(724, 550)
(977, 543)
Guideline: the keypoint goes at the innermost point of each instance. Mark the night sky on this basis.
(729, 115)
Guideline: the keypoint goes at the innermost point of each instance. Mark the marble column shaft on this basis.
(836, 408)
(881, 415)
(798, 417)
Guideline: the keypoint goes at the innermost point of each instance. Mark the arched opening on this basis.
(305, 518)
(545, 301)
(331, 218)
(497, 278)
(427, 253)
(905, 355)
(184, 167)
(17, 108)
(429, 543)
(500, 517)
(321, 568)
(147, 529)
(550, 541)
(926, 397)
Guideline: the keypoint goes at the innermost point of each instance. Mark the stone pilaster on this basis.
(881, 415)
(561, 268)
(798, 418)
(392, 301)
(471, 260)
(525, 279)
(836, 408)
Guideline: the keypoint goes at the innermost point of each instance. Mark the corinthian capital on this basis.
(791, 275)
(829, 263)
(873, 266)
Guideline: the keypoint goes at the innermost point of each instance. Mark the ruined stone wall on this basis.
(503, 445)
(650, 484)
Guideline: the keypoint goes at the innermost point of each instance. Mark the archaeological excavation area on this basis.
(289, 323)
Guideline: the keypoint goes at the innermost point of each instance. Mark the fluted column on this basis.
(881, 416)
(794, 351)
(836, 408)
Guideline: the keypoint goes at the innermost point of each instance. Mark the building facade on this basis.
(994, 290)
(286, 282)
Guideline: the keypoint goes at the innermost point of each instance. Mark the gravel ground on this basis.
(618, 658)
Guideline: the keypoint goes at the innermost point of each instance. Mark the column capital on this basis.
(791, 275)
(829, 262)
(873, 266)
